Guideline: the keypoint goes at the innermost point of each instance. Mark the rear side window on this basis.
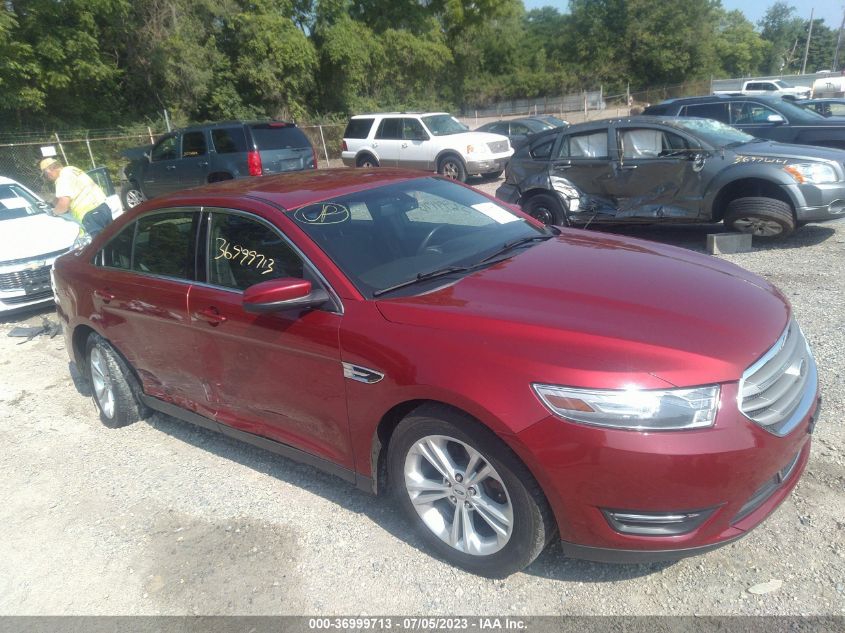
(269, 136)
(543, 150)
(358, 128)
(164, 244)
(118, 252)
(390, 129)
(718, 111)
(229, 140)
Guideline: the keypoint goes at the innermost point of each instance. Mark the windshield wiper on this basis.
(440, 272)
(507, 246)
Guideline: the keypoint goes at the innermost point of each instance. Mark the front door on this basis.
(193, 168)
(277, 375)
(415, 151)
(657, 175)
(758, 119)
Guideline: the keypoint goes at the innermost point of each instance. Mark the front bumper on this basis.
(818, 203)
(487, 165)
(26, 283)
(727, 469)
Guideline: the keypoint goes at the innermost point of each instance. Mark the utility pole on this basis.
(838, 43)
(807, 47)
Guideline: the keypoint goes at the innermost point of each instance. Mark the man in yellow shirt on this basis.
(78, 194)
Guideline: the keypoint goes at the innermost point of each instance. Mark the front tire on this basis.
(114, 386)
(767, 219)
(469, 497)
(545, 208)
(453, 168)
(131, 195)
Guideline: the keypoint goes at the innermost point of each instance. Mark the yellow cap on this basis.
(46, 163)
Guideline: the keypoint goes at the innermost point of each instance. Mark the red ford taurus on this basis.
(507, 383)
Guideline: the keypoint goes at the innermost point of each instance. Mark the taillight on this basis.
(345, 149)
(253, 162)
(313, 158)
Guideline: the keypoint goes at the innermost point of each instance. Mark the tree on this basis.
(19, 74)
(783, 31)
(739, 48)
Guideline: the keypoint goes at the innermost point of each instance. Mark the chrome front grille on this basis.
(22, 279)
(778, 391)
(497, 147)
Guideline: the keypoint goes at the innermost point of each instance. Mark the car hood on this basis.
(475, 137)
(587, 309)
(35, 235)
(790, 151)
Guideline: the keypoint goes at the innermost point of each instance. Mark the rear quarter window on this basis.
(270, 137)
(230, 140)
(358, 128)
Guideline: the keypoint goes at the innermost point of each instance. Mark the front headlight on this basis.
(478, 149)
(811, 173)
(634, 409)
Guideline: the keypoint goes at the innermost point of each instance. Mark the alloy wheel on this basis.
(100, 376)
(450, 170)
(133, 198)
(758, 226)
(459, 495)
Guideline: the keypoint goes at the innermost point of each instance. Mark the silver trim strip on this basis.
(361, 374)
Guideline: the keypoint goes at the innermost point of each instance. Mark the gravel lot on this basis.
(165, 518)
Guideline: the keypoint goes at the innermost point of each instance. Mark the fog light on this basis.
(656, 523)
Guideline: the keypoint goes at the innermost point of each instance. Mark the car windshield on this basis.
(783, 84)
(790, 111)
(444, 124)
(398, 233)
(17, 202)
(554, 121)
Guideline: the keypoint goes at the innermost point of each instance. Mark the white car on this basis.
(433, 141)
(30, 240)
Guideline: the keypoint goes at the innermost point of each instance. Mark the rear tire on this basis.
(545, 208)
(131, 195)
(469, 497)
(366, 161)
(115, 389)
(767, 219)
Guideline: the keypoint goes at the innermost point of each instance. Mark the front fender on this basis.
(771, 173)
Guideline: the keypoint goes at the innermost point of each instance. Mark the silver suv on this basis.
(434, 141)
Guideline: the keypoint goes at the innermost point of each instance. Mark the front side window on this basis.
(165, 244)
(750, 112)
(412, 130)
(165, 150)
(649, 143)
(244, 251)
(193, 144)
(118, 252)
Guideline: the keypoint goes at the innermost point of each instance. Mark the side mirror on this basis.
(148, 156)
(286, 293)
(775, 118)
(421, 136)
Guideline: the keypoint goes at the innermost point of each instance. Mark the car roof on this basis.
(206, 126)
(359, 116)
(600, 123)
(7, 181)
(726, 98)
(293, 189)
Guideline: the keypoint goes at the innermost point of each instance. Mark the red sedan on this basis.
(508, 383)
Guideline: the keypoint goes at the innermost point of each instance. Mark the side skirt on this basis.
(285, 450)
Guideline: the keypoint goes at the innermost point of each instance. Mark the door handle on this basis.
(105, 295)
(404, 145)
(627, 166)
(211, 315)
(564, 164)
(203, 164)
(170, 166)
(375, 145)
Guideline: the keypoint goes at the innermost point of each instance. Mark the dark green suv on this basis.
(213, 152)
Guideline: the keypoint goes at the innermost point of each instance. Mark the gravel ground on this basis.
(165, 518)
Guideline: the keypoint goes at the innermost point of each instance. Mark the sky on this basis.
(829, 10)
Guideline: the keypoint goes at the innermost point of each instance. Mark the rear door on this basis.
(282, 147)
(583, 159)
(279, 374)
(143, 277)
(388, 141)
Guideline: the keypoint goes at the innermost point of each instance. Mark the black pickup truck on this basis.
(652, 169)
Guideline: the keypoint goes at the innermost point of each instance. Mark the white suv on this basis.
(434, 141)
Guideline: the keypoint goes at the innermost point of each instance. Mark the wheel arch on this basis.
(366, 152)
(79, 339)
(745, 188)
(448, 153)
(219, 176)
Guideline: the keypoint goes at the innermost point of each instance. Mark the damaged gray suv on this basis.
(674, 169)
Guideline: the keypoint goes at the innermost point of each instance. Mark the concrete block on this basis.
(725, 243)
